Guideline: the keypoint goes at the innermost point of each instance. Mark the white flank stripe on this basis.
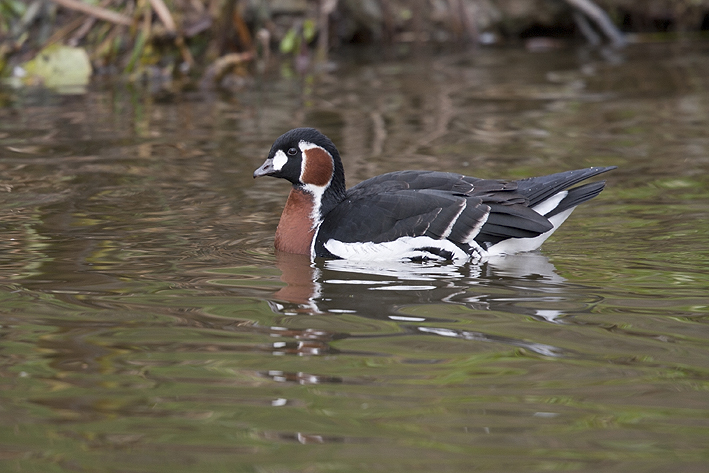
(279, 160)
(547, 205)
(402, 248)
(448, 231)
(470, 240)
(403, 288)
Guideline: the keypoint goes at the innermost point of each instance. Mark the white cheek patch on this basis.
(279, 160)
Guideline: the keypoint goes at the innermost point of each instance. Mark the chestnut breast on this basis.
(295, 230)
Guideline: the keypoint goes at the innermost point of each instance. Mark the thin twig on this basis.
(32, 11)
(140, 40)
(456, 8)
(326, 8)
(65, 30)
(86, 26)
(81, 32)
(164, 14)
(105, 46)
(388, 23)
(187, 57)
(470, 24)
(242, 30)
(97, 12)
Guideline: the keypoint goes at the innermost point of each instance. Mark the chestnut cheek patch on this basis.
(317, 167)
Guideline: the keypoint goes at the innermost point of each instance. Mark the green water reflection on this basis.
(147, 324)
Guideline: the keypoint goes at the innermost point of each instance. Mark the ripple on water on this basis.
(146, 321)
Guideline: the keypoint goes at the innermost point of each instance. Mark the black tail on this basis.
(510, 219)
(538, 189)
(578, 195)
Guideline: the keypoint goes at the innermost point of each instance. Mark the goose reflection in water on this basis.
(523, 284)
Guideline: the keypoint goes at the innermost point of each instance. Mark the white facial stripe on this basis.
(279, 160)
(305, 145)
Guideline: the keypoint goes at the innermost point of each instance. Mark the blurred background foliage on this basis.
(217, 39)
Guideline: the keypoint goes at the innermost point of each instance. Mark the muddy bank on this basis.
(169, 37)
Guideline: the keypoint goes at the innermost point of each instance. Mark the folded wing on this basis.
(423, 207)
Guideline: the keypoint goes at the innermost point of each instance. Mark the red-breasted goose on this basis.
(413, 214)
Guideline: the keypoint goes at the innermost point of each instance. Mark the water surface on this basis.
(148, 325)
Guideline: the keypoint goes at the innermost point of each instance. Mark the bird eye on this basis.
(292, 151)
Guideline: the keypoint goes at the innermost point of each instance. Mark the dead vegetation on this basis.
(216, 37)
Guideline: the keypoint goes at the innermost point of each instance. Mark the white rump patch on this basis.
(516, 245)
(547, 205)
(279, 160)
(402, 248)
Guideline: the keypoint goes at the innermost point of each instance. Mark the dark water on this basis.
(148, 326)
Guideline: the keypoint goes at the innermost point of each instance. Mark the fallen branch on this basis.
(219, 68)
(596, 13)
(586, 29)
(96, 12)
